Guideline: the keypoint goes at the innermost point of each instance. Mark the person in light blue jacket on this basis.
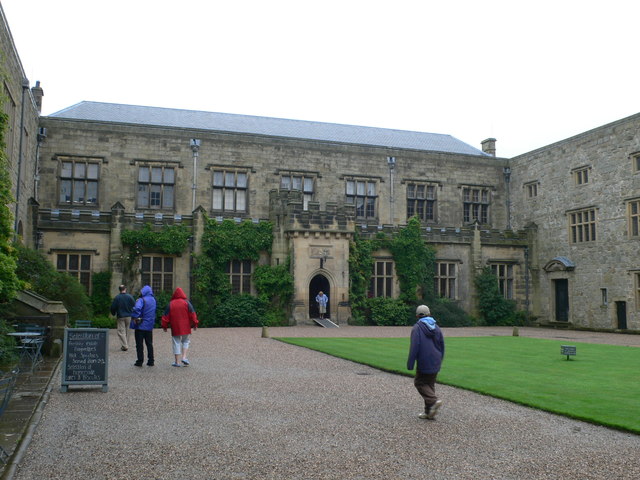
(427, 349)
(143, 319)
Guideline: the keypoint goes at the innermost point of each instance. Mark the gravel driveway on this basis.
(255, 408)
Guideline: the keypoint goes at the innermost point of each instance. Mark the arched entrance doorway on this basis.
(317, 284)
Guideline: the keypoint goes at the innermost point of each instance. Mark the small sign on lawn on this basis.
(568, 350)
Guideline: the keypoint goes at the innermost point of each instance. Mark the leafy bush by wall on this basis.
(100, 294)
(493, 307)
(388, 312)
(39, 275)
(237, 311)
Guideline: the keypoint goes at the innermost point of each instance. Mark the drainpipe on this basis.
(195, 147)
(25, 87)
(507, 181)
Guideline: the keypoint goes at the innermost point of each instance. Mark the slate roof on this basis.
(276, 127)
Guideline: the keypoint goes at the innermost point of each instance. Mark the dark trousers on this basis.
(145, 336)
(426, 385)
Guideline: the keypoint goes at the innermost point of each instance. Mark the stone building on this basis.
(21, 105)
(559, 226)
(108, 167)
(582, 197)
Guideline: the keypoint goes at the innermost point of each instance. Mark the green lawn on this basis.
(601, 384)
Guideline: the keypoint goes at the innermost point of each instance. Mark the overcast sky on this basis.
(528, 73)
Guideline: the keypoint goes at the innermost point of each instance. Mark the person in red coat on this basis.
(181, 317)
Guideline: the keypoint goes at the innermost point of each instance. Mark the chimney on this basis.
(38, 93)
(489, 146)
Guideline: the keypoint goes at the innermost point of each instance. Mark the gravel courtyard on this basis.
(255, 408)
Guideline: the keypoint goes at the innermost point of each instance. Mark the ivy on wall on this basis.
(171, 240)
(223, 242)
(414, 262)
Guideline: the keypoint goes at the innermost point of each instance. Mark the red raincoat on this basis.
(179, 314)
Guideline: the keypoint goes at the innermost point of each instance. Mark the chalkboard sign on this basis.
(85, 360)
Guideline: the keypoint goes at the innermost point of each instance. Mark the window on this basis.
(504, 274)
(78, 181)
(156, 187)
(475, 205)
(304, 183)
(421, 201)
(637, 287)
(157, 272)
(239, 273)
(583, 226)
(636, 162)
(445, 280)
(581, 175)
(77, 265)
(362, 194)
(531, 189)
(633, 218)
(230, 190)
(381, 284)
(605, 299)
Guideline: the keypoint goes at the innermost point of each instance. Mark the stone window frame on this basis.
(382, 277)
(531, 188)
(163, 164)
(636, 288)
(226, 191)
(446, 279)
(635, 162)
(429, 212)
(369, 208)
(307, 179)
(81, 269)
(582, 225)
(76, 178)
(633, 217)
(158, 271)
(476, 208)
(505, 272)
(581, 175)
(239, 273)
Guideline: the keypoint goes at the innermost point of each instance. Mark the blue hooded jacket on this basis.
(427, 346)
(144, 308)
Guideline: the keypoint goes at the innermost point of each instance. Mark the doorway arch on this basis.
(319, 283)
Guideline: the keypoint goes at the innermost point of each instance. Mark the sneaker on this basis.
(150, 364)
(186, 362)
(433, 409)
(174, 364)
(124, 349)
(138, 364)
(423, 416)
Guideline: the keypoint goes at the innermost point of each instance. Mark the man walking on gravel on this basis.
(427, 348)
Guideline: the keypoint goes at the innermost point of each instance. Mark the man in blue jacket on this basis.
(427, 348)
(143, 319)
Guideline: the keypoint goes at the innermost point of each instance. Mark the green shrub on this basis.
(100, 294)
(162, 300)
(8, 352)
(448, 313)
(236, 311)
(104, 321)
(494, 308)
(388, 311)
(40, 276)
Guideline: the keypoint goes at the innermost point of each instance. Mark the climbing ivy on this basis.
(414, 262)
(172, 240)
(225, 241)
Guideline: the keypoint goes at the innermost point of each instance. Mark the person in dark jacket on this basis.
(121, 308)
(181, 317)
(144, 311)
(427, 349)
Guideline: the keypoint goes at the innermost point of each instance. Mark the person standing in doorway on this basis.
(427, 349)
(121, 308)
(321, 300)
(181, 317)
(143, 319)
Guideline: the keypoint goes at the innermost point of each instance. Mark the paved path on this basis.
(255, 408)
